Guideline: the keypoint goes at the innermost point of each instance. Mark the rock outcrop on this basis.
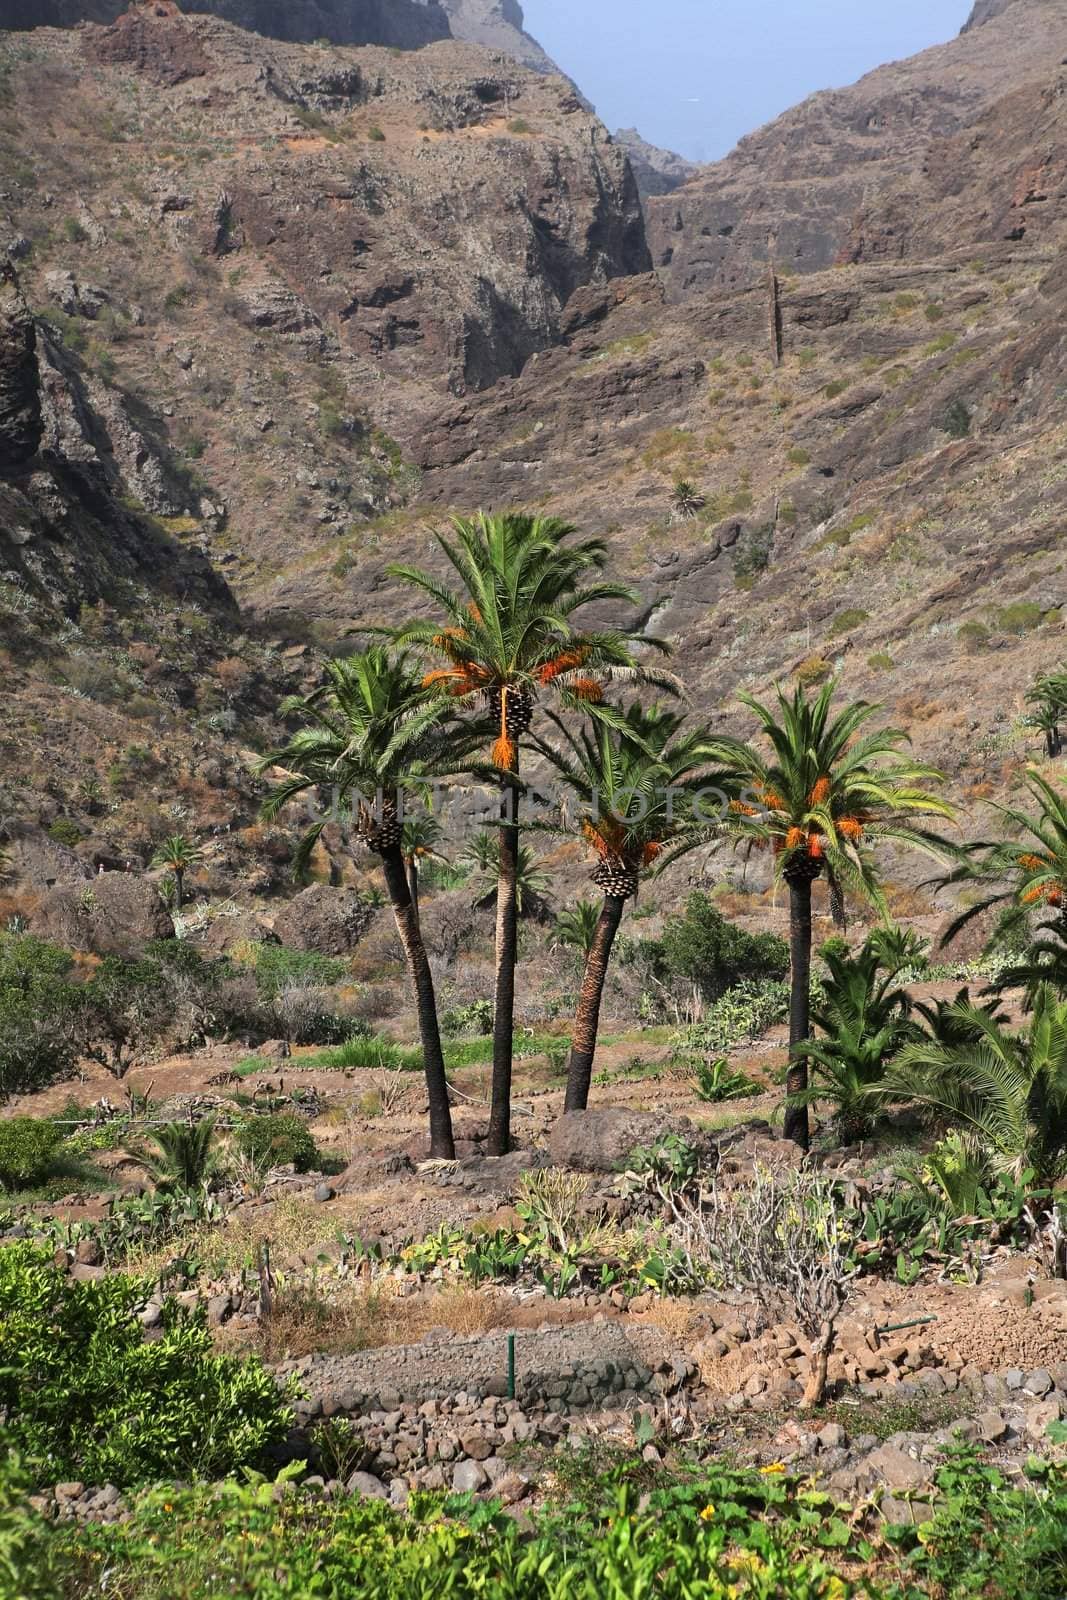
(21, 427)
(116, 914)
(791, 191)
(399, 24)
(657, 171)
(328, 921)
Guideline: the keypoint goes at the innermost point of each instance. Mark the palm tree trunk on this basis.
(413, 884)
(442, 1143)
(179, 887)
(796, 1117)
(587, 1019)
(507, 945)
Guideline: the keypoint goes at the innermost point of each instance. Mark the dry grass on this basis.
(305, 1320)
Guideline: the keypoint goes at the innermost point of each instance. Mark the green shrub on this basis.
(701, 946)
(813, 670)
(276, 967)
(716, 1082)
(87, 1398)
(31, 1563)
(64, 831)
(1020, 617)
(880, 662)
(974, 637)
(278, 1141)
(743, 1013)
(27, 1146)
(798, 456)
(835, 387)
(475, 1018)
(957, 420)
(846, 621)
(519, 125)
(375, 135)
(40, 1014)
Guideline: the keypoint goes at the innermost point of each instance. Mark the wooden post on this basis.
(774, 315)
(265, 1280)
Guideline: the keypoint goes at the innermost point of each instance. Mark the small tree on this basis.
(184, 1157)
(576, 927)
(777, 1238)
(686, 499)
(40, 1012)
(127, 1007)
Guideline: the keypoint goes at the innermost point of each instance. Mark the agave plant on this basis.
(1008, 1089)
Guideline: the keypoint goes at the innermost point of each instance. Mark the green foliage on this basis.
(276, 968)
(847, 621)
(798, 457)
(1020, 617)
(477, 1017)
(741, 1015)
(813, 670)
(277, 1141)
(64, 831)
(862, 1015)
(375, 135)
(701, 946)
(184, 1157)
(39, 1014)
(87, 1397)
(716, 1082)
(31, 1564)
(957, 419)
(881, 661)
(973, 636)
(27, 1148)
(752, 555)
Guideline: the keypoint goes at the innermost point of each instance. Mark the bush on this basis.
(27, 1146)
(845, 621)
(701, 946)
(277, 1141)
(277, 967)
(39, 1014)
(474, 1018)
(973, 636)
(87, 1398)
(813, 670)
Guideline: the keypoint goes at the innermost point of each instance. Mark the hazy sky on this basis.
(695, 75)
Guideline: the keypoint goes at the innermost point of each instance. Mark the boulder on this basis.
(330, 921)
(600, 1140)
(116, 914)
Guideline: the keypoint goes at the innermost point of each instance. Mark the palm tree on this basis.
(1023, 873)
(863, 1017)
(1048, 696)
(372, 729)
(178, 854)
(634, 778)
(184, 1157)
(826, 795)
(686, 499)
(1009, 1089)
(421, 831)
(531, 882)
(576, 926)
(5, 864)
(508, 634)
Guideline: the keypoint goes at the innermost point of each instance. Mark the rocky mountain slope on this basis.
(292, 302)
(400, 24)
(657, 171)
(792, 190)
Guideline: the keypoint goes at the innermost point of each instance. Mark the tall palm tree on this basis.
(1022, 874)
(507, 633)
(821, 800)
(634, 778)
(178, 854)
(420, 833)
(1009, 1089)
(371, 731)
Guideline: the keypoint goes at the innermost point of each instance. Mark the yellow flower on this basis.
(774, 1466)
(835, 1589)
(707, 1513)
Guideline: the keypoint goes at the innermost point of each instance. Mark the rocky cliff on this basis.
(793, 189)
(402, 24)
(657, 171)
